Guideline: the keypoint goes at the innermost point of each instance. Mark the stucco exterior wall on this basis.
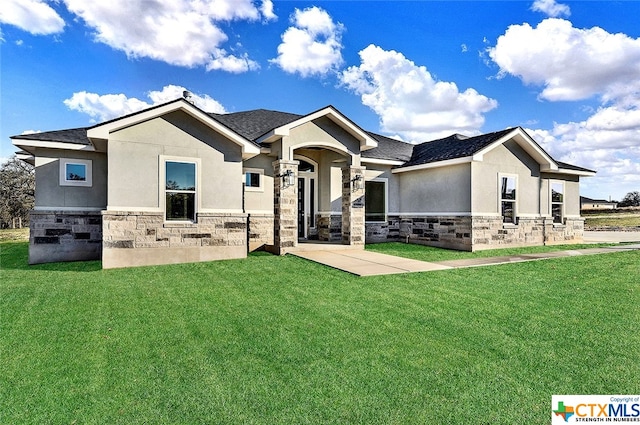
(436, 190)
(260, 201)
(507, 159)
(51, 195)
(135, 160)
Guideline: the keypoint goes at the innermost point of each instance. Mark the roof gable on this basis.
(102, 131)
(457, 149)
(365, 139)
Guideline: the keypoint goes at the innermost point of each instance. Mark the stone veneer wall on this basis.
(467, 233)
(285, 199)
(144, 238)
(441, 231)
(353, 225)
(491, 232)
(65, 236)
(572, 231)
(260, 231)
(388, 231)
(329, 227)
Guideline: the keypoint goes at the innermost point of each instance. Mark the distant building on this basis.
(596, 204)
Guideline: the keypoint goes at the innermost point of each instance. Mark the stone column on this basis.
(285, 209)
(353, 232)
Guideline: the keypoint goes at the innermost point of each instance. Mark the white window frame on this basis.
(162, 191)
(87, 163)
(515, 201)
(551, 203)
(384, 180)
(308, 176)
(259, 171)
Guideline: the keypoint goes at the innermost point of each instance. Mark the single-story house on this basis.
(597, 204)
(174, 183)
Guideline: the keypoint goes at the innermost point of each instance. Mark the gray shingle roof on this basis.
(256, 123)
(77, 136)
(389, 149)
(253, 124)
(573, 167)
(452, 147)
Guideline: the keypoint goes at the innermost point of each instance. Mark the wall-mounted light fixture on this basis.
(357, 183)
(288, 178)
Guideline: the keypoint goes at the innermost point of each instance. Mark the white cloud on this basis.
(608, 141)
(31, 132)
(312, 46)
(576, 64)
(551, 8)
(33, 16)
(266, 8)
(570, 63)
(108, 106)
(409, 101)
(179, 32)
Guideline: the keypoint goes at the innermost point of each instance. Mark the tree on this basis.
(17, 191)
(631, 199)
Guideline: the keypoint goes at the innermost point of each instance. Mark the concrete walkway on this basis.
(368, 263)
(610, 236)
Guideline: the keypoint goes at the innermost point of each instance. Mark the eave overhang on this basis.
(29, 145)
(436, 164)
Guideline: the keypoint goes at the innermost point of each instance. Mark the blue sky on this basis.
(566, 71)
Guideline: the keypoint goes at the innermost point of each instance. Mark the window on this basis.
(253, 179)
(305, 166)
(557, 201)
(508, 199)
(180, 191)
(375, 200)
(75, 172)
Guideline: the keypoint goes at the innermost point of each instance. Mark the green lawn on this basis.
(625, 218)
(271, 340)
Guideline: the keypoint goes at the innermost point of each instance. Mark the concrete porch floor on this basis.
(367, 263)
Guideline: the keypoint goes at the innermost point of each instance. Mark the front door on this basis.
(306, 206)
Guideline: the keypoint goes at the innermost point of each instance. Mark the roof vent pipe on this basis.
(187, 96)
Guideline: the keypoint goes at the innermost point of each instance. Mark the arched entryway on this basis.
(319, 196)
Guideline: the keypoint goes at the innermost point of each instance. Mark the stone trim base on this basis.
(56, 236)
(261, 228)
(329, 227)
(144, 238)
(123, 257)
(475, 233)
